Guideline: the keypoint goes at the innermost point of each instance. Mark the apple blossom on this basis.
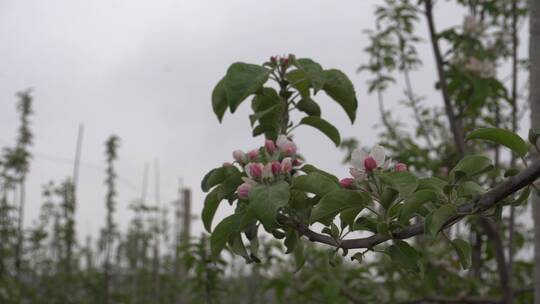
(239, 156)
(377, 154)
(286, 165)
(296, 162)
(254, 170)
(245, 188)
(358, 174)
(484, 68)
(363, 162)
(276, 168)
(400, 167)
(472, 25)
(370, 164)
(285, 145)
(346, 182)
(270, 146)
(267, 172)
(253, 155)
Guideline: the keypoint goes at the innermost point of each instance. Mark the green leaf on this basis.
(511, 172)
(332, 230)
(523, 196)
(291, 240)
(219, 99)
(338, 86)
(357, 257)
(337, 201)
(366, 224)
(310, 169)
(242, 80)
(388, 197)
(299, 257)
(223, 231)
(298, 80)
(432, 183)
(534, 134)
(436, 220)
(229, 185)
(394, 211)
(267, 106)
(348, 216)
(469, 189)
(216, 176)
(262, 102)
(312, 71)
(503, 137)
(275, 109)
(266, 200)
(470, 166)
(413, 203)
(403, 182)
(237, 246)
(298, 200)
(266, 98)
(316, 183)
(463, 250)
(270, 131)
(323, 126)
(404, 255)
(383, 229)
(254, 243)
(211, 203)
(309, 106)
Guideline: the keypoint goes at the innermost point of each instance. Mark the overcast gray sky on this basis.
(144, 70)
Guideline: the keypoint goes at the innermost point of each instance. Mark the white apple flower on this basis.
(364, 162)
(285, 145)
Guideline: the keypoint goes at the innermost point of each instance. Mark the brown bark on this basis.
(455, 123)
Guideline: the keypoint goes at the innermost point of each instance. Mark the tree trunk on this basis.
(492, 230)
(534, 78)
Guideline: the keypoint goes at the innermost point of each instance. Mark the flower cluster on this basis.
(484, 68)
(472, 26)
(267, 164)
(364, 163)
(282, 61)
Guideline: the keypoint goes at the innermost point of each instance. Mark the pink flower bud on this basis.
(227, 164)
(400, 167)
(285, 145)
(273, 59)
(243, 190)
(346, 182)
(296, 162)
(270, 146)
(286, 165)
(276, 168)
(254, 170)
(253, 155)
(239, 156)
(370, 164)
